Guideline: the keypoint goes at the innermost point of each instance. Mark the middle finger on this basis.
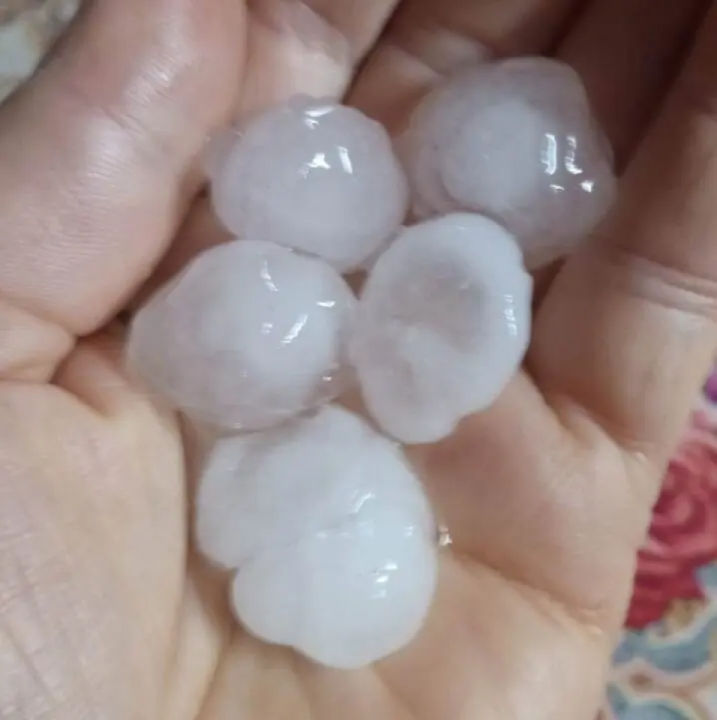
(427, 39)
(626, 52)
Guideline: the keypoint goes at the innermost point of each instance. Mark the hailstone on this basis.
(249, 335)
(331, 534)
(314, 176)
(514, 140)
(442, 325)
(316, 513)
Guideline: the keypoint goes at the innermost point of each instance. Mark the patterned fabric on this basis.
(666, 665)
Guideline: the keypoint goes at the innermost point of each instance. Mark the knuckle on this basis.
(663, 282)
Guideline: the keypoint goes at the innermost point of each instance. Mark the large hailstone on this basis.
(250, 334)
(443, 324)
(314, 176)
(332, 535)
(514, 140)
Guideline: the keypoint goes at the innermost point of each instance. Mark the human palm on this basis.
(105, 612)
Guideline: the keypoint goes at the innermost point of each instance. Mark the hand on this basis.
(104, 610)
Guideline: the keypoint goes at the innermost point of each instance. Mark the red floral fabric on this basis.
(665, 667)
(683, 535)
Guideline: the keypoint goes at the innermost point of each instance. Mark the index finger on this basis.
(97, 153)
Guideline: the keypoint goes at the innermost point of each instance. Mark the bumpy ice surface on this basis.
(514, 140)
(331, 533)
(319, 516)
(314, 176)
(443, 324)
(249, 335)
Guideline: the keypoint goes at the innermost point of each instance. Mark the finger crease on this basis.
(661, 284)
(146, 141)
(427, 45)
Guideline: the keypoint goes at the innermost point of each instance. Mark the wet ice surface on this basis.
(321, 521)
(314, 176)
(333, 538)
(514, 140)
(249, 335)
(443, 324)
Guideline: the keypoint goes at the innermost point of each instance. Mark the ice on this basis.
(299, 476)
(317, 513)
(315, 176)
(332, 534)
(217, 150)
(436, 118)
(442, 325)
(249, 335)
(345, 598)
(514, 140)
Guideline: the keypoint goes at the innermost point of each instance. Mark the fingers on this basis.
(359, 21)
(295, 47)
(626, 73)
(309, 46)
(626, 53)
(291, 47)
(627, 332)
(426, 39)
(566, 489)
(96, 153)
(200, 231)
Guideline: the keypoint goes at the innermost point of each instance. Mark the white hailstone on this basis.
(314, 176)
(249, 335)
(332, 535)
(420, 148)
(514, 140)
(443, 324)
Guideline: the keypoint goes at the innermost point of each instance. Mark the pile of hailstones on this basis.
(315, 509)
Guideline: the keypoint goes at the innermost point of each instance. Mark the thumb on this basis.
(96, 161)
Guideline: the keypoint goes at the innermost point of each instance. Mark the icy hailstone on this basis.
(314, 176)
(250, 334)
(442, 325)
(514, 140)
(333, 538)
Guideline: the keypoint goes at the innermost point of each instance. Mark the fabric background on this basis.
(665, 668)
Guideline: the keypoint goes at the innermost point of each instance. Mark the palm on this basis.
(104, 608)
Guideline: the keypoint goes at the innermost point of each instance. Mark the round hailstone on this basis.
(436, 118)
(514, 140)
(336, 462)
(314, 176)
(249, 335)
(332, 534)
(442, 325)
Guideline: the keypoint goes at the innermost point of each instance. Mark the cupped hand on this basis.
(105, 612)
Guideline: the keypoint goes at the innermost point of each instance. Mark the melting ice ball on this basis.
(332, 535)
(514, 140)
(250, 334)
(443, 324)
(314, 176)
